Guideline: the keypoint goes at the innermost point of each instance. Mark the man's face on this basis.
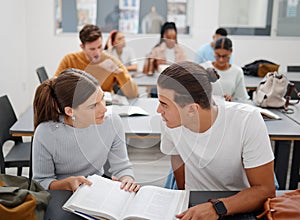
(93, 50)
(169, 110)
(217, 36)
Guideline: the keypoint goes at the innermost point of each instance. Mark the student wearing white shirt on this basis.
(231, 84)
(214, 145)
(116, 46)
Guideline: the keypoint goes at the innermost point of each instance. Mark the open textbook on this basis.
(105, 200)
(127, 110)
(267, 114)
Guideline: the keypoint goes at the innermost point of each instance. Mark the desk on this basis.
(251, 82)
(146, 126)
(281, 131)
(198, 197)
(59, 197)
(142, 79)
(295, 177)
(54, 210)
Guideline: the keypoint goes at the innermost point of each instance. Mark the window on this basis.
(260, 17)
(128, 16)
(246, 17)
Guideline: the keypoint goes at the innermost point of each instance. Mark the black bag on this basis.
(260, 68)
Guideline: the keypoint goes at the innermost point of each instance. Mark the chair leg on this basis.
(2, 170)
(19, 171)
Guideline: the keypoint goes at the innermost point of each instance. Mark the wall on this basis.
(13, 62)
(32, 41)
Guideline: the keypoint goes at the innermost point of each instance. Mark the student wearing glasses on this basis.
(206, 51)
(231, 84)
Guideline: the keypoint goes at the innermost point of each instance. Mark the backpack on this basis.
(284, 207)
(271, 91)
(18, 201)
(260, 68)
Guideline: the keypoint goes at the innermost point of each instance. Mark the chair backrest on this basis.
(293, 68)
(7, 119)
(42, 74)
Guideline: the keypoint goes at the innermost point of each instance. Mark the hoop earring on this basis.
(73, 118)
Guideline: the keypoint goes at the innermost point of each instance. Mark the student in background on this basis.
(214, 145)
(107, 69)
(116, 46)
(74, 137)
(167, 51)
(206, 51)
(231, 84)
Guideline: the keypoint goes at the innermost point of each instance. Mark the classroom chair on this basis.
(42, 74)
(19, 154)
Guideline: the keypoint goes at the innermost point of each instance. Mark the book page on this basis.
(109, 65)
(104, 198)
(124, 111)
(153, 202)
(267, 114)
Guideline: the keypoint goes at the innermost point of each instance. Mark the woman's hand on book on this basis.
(127, 183)
(71, 183)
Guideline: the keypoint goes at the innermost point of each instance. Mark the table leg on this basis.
(282, 154)
(295, 177)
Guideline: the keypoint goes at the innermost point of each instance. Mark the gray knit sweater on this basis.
(60, 151)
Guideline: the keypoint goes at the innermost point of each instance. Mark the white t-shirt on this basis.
(127, 57)
(231, 82)
(217, 158)
(170, 54)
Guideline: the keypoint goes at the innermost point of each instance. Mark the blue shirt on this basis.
(206, 53)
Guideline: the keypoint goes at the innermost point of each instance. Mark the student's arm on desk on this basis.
(178, 169)
(132, 67)
(261, 180)
(262, 187)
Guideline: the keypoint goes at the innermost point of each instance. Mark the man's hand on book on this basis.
(128, 183)
(201, 211)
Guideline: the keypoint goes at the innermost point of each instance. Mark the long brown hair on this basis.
(70, 89)
(190, 82)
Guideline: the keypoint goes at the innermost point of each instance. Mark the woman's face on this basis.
(170, 38)
(222, 57)
(92, 111)
(119, 40)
